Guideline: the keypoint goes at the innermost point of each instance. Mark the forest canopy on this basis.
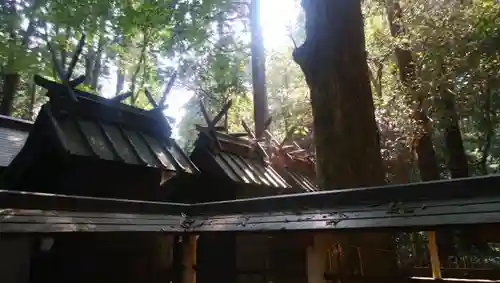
(433, 69)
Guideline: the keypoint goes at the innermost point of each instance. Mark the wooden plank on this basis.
(457, 189)
(47, 201)
(27, 221)
(189, 258)
(434, 255)
(412, 216)
(317, 258)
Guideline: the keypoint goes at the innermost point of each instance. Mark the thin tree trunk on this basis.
(64, 53)
(96, 71)
(424, 148)
(333, 60)
(142, 59)
(120, 79)
(32, 101)
(457, 160)
(261, 111)
(426, 155)
(120, 75)
(89, 65)
(11, 81)
(488, 131)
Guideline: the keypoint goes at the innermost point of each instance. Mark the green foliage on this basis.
(454, 46)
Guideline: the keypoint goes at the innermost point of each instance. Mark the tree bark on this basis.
(64, 53)
(96, 70)
(333, 59)
(426, 155)
(32, 96)
(457, 160)
(261, 111)
(10, 83)
(89, 65)
(489, 128)
(120, 79)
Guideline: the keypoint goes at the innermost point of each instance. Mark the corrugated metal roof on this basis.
(108, 129)
(303, 181)
(11, 142)
(118, 143)
(248, 171)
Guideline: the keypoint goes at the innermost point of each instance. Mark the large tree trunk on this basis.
(333, 59)
(261, 111)
(427, 162)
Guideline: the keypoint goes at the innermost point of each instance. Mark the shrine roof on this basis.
(239, 160)
(13, 135)
(110, 130)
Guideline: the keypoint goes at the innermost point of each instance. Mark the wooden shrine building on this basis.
(97, 191)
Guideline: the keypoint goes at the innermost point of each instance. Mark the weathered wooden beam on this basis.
(317, 254)
(434, 255)
(409, 217)
(189, 247)
(39, 221)
(483, 189)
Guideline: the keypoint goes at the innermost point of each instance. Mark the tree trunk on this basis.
(426, 155)
(120, 74)
(10, 83)
(96, 71)
(32, 96)
(120, 80)
(141, 63)
(64, 53)
(261, 111)
(457, 160)
(489, 127)
(89, 66)
(12, 77)
(333, 59)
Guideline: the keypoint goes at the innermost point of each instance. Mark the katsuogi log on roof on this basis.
(87, 145)
(293, 163)
(95, 146)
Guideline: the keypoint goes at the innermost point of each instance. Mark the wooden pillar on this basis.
(434, 255)
(317, 254)
(189, 244)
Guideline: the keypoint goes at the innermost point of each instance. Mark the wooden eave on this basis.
(427, 205)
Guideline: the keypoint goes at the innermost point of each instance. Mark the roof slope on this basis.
(13, 135)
